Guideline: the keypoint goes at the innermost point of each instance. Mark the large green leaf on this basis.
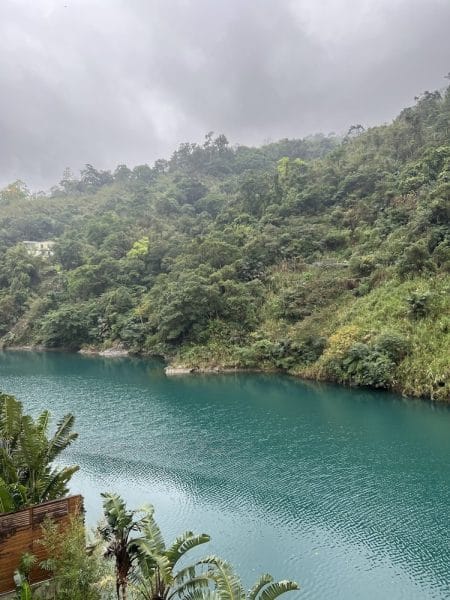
(10, 418)
(263, 580)
(228, 584)
(276, 589)
(152, 534)
(25, 591)
(183, 544)
(116, 513)
(191, 585)
(43, 421)
(63, 436)
(200, 594)
(55, 486)
(7, 503)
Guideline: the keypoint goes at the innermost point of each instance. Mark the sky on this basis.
(125, 81)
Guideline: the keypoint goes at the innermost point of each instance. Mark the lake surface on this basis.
(346, 491)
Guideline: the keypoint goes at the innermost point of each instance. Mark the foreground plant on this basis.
(27, 454)
(158, 577)
(76, 573)
(22, 576)
(224, 584)
(143, 559)
(119, 532)
(135, 542)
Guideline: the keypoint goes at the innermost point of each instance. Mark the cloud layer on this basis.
(112, 81)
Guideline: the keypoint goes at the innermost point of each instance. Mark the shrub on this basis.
(75, 571)
(419, 304)
(363, 365)
(362, 266)
(415, 259)
(393, 345)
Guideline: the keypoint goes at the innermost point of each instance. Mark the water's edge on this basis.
(172, 369)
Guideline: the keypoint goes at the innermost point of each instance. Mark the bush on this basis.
(362, 266)
(415, 259)
(393, 345)
(75, 572)
(283, 354)
(419, 304)
(363, 365)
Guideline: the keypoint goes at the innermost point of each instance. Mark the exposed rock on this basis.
(178, 370)
(115, 351)
(112, 352)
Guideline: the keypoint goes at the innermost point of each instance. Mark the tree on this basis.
(27, 455)
(158, 577)
(117, 533)
(137, 546)
(141, 556)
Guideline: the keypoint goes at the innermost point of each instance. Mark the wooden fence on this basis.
(20, 532)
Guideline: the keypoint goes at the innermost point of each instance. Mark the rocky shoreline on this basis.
(115, 352)
(171, 370)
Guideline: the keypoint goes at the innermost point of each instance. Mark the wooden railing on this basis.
(20, 532)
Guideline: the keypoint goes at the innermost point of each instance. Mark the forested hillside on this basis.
(327, 258)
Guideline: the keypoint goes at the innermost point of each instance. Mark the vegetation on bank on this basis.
(327, 258)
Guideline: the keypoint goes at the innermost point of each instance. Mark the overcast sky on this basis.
(125, 81)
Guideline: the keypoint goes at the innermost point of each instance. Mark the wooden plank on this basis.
(20, 532)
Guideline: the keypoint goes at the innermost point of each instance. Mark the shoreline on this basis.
(180, 370)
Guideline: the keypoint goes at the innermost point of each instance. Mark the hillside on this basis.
(325, 258)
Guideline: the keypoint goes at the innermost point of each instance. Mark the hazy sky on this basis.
(113, 81)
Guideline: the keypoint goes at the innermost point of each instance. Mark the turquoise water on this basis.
(346, 491)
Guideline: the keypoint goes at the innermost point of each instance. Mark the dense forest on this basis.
(325, 257)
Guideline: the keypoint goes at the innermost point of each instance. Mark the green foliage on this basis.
(27, 455)
(365, 366)
(21, 576)
(75, 573)
(135, 542)
(273, 243)
(67, 327)
(150, 569)
(226, 585)
(419, 304)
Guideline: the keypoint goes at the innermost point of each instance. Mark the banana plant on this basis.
(140, 554)
(28, 474)
(159, 578)
(119, 533)
(224, 584)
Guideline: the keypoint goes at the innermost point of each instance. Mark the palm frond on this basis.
(115, 511)
(228, 584)
(263, 580)
(8, 467)
(276, 589)
(202, 595)
(11, 412)
(152, 533)
(191, 585)
(43, 421)
(56, 484)
(183, 544)
(63, 436)
(7, 503)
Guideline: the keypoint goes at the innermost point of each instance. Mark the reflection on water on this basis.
(346, 491)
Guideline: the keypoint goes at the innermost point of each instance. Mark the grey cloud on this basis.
(115, 81)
